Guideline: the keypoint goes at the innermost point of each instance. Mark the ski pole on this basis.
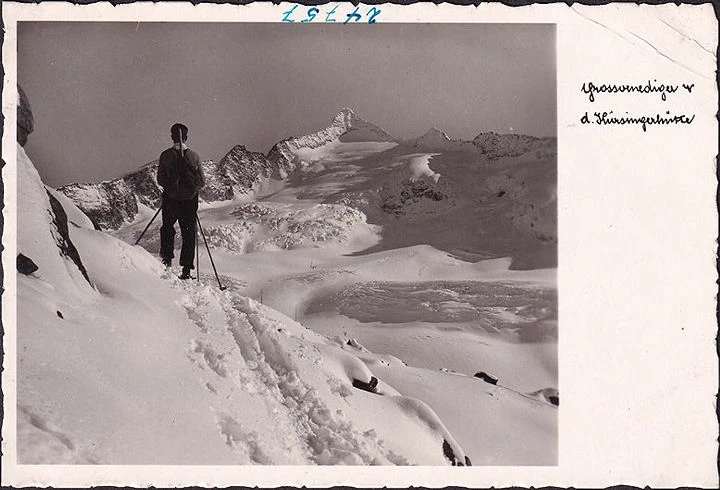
(222, 288)
(179, 136)
(148, 225)
(197, 253)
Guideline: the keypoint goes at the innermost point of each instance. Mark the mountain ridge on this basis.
(112, 203)
(491, 144)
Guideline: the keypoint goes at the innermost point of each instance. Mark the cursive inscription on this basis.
(651, 117)
(610, 118)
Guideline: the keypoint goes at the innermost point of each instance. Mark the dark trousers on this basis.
(184, 211)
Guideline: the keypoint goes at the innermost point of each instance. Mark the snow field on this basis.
(269, 390)
(291, 281)
(338, 151)
(190, 374)
(153, 370)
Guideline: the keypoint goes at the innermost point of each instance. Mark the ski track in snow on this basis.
(264, 369)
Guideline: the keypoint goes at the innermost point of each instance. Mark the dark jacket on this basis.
(180, 177)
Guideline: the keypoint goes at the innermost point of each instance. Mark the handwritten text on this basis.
(650, 87)
(645, 93)
(610, 118)
(331, 15)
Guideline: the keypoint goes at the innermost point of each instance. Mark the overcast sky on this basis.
(105, 94)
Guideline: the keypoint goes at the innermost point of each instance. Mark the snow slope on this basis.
(143, 368)
(353, 266)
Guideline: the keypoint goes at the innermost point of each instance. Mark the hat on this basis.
(177, 130)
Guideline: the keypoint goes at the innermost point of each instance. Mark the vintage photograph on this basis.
(287, 243)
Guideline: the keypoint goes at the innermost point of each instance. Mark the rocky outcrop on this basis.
(263, 227)
(108, 204)
(450, 455)
(25, 121)
(143, 183)
(235, 174)
(30, 178)
(486, 377)
(25, 265)
(497, 146)
(113, 203)
(64, 243)
(358, 129)
(409, 193)
(45, 233)
(551, 395)
(493, 145)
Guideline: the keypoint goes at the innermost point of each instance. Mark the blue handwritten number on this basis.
(375, 13)
(288, 14)
(327, 17)
(312, 13)
(353, 15)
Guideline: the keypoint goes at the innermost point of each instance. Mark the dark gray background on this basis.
(104, 94)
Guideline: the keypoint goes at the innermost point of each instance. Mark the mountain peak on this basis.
(433, 137)
(349, 127)
(436, 133)
(347, 119)
(346, 112)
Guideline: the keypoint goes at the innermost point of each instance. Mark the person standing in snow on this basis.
(181, 177)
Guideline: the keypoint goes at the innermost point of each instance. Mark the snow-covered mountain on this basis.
(490, 197)
(492, 145)
(113, 203)
(235, 174)
(436, 139)
(120, 363)
(346, 127)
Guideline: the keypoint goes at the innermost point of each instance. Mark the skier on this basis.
(181, 177)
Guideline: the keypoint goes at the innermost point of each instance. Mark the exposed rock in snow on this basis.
(450, 455)
(143, 185)
(550, 395)
(409, 194)
(65, 244)
(111, 204)
(25, 265)
(25, 121)
(486, 377)
(108, 204)
(234, 175)
(497, 146)
(358, 129)
(44, 234)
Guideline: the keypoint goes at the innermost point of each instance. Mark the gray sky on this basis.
(105, 94)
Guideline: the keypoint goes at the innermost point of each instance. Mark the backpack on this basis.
(189, 180)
